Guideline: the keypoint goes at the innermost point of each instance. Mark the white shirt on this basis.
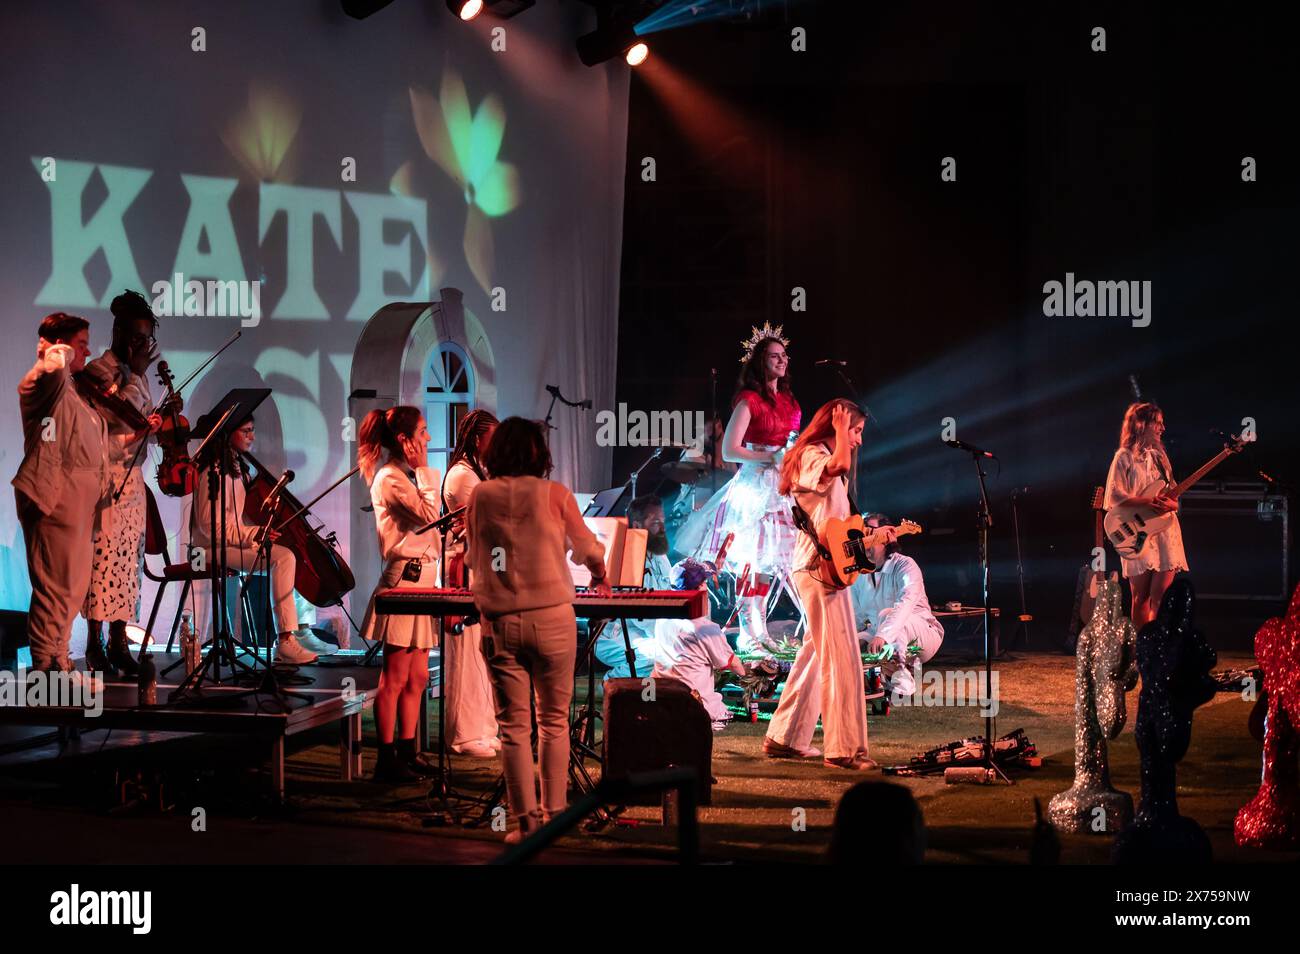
(239, 532)
(821, 495)
(898, 587)
(456, 489)
(401, 508)
(691, 651)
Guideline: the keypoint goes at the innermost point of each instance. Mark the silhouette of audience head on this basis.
(877, 823)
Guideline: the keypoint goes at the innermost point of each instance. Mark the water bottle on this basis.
(147, 681)
(189, 644)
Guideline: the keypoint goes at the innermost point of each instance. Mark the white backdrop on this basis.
(495, 171)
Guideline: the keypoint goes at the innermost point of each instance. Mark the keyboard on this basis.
(631, 603)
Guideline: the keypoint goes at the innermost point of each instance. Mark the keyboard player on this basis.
(520, 525)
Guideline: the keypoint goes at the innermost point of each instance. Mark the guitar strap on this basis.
(804, 522)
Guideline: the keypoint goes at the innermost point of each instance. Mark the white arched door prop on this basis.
(433, 355)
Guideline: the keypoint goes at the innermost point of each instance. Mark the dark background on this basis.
(821, 169)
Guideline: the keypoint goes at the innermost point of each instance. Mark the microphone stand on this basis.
(221, 642)
(1025, 617)
(985, 523)
(713, 440)
(554, 391)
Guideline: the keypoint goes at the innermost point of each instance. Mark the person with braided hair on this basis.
(471, 709)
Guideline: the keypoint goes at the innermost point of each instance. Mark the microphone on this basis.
(554, 391)
(828, 361)
(1019, 491)
(275, 491)
(970, 449)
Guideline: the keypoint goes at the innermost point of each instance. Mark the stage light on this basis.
(608, 41)
(636, 54)
(465, 9)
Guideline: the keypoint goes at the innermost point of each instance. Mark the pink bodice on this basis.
(770, 424)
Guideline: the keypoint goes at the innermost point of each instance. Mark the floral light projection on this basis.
(465, 144)
(261, 136)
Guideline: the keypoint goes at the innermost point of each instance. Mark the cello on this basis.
(322, 576)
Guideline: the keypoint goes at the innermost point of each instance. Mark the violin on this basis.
(322, 576)
(177, 473)
(107, 398)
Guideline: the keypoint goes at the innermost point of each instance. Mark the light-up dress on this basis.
(749, 506)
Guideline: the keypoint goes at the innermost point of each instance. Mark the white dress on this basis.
(471, 707)
(1129, 474)
(403, 505)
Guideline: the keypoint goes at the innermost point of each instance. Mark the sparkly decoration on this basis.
(1104, 672)
(1175, 661)
(767, 331)
(1272, 818)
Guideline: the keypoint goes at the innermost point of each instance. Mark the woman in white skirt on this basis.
(764, 417)
(471, 711)
(1141, 460)
(404, 493)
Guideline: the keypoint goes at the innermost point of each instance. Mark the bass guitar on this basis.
(1130, 526)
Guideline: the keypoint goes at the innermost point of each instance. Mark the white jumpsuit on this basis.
(471, 706)
(58, 489)
(826, 679)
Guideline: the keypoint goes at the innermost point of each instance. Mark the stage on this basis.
(755, 802)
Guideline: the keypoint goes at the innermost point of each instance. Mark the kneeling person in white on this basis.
(692, 650)
(896, 609)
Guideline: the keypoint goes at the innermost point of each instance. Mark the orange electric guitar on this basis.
(848, 541)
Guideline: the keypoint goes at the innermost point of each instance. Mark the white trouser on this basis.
(612, 651)
(471, 706)
(284, 566)
(826, 679)
(899, 669)
(60, 551)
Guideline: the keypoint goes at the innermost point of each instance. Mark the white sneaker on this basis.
(477, 750)
(289, 650)
(310, 642)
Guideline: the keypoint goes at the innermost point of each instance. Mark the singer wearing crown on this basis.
(764, 418)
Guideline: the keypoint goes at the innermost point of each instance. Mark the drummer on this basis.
(644, 513)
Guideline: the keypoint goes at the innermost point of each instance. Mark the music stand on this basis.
(214, 429)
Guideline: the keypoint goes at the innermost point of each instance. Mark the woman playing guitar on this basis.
(1141, 460)
(826, 679)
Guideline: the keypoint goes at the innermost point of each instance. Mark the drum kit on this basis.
(690, 470)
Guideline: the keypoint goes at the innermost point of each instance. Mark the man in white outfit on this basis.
(693, 650)
(646, 512)
(893, 606)
(59, 487)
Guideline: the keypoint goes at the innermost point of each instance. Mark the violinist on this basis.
(118, 545)
(242, 538)
(58, 486)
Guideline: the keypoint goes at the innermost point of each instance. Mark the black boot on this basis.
(96, 661)
(119, 651)
(413, 759)
(391, 770)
